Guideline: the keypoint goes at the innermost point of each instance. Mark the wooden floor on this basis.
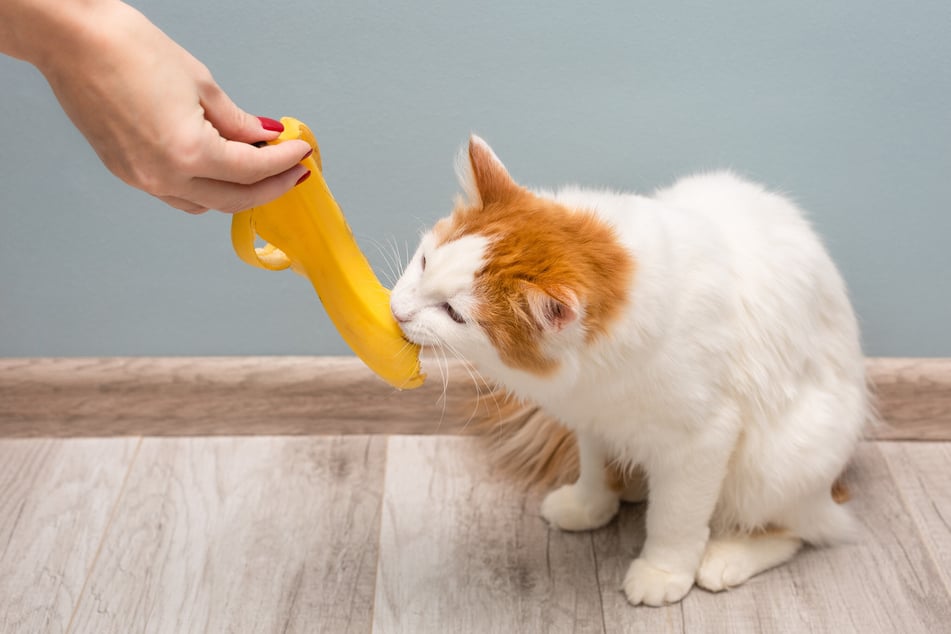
(409, 534)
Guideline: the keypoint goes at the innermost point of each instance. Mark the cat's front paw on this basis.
(647, 584)
(571, 508)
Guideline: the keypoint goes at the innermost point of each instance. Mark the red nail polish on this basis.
(309, 152)
(302, 178)
(271, 125)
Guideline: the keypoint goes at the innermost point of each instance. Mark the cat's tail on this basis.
(524, 443)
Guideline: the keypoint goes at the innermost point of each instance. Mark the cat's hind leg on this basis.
(820, 520)
(816, 519)
(589, 503)
(730, 560)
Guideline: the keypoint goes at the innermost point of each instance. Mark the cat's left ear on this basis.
(554, 309)
(482, 175)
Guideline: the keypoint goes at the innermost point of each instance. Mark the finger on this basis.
(233, 197)
(234, 162)
(184, 205)
(232, 122)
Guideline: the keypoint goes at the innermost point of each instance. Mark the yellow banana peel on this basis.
(306, 231)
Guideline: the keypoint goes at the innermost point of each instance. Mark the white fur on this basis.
(419, 295)
(734, 379)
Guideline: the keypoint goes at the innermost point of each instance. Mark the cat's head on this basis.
(511, 277)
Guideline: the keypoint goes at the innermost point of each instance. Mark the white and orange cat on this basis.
(701, 337)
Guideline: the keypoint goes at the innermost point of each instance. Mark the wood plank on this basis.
(616, 545)
(914, 396)
(326, 395)
(56, 497)
(461, 552)
(241, 535)
(887, 582)
(923, 474)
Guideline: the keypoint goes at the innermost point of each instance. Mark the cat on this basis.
(698, 344)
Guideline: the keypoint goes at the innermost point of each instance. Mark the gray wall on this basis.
(846, 105)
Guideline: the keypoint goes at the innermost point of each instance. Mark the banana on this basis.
(306, 231)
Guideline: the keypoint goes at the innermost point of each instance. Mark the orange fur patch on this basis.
(840, 492)
(537, 248)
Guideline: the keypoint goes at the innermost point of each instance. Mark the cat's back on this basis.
(715, 247)
(790, 302)
(749, 217)
(714, 210)
(734, 265)
(765, 235)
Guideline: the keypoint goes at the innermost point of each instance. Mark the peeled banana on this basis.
(306, 231)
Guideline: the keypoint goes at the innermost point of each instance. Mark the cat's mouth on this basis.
(415, 331)
(408, 336)
(414, 343)
(417, 337)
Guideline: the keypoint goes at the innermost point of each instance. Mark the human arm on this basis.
(152, 112)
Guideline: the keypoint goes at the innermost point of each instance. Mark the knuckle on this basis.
(187, 156)
(204, 78)
(148, 179)
(206, 81)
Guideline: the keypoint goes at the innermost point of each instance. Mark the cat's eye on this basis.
(456, 317)
(423, 262)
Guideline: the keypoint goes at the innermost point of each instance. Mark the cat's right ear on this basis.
(482, 175)
(554, 309)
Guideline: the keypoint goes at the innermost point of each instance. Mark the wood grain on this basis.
(914, 397)
(56, 497)
(303, 535)
(241, 535)
(615, 546)
(922, 472)
(325, 395)
(460, 552)
(886, 582)
(206, 396)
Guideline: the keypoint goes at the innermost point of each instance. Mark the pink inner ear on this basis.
(553, 310)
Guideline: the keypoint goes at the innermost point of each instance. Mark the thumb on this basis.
(232, 122)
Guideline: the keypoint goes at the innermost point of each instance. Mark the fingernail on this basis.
(271, 125)
(309, 152)
(302, 178)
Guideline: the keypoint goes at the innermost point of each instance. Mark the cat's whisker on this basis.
(475, 376)
(445, 386)
(442, 364)
(391, 271)
(445, 390)
(397, 257)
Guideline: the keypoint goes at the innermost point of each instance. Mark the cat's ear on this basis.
(482, 175)
(554, 309)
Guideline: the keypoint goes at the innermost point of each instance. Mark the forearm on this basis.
(152, 112)
(41, 31)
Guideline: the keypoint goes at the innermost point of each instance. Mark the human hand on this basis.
(157, 119)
